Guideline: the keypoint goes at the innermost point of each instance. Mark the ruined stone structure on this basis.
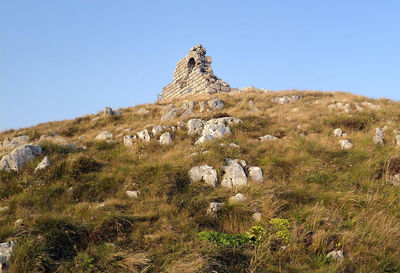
(194, 75)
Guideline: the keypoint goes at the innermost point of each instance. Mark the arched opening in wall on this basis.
(191, 65)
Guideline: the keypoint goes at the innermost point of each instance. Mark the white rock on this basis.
(215, 104)
(203, 106)
(144, 135)
(44, 164)
(225, 121)
(345, 144)
(239, 197)
(165, 138)
(187, 108)
(336, 255)
(285, 99)
(18, 222)
(255, 174)
(378, 138)
(213, 131)
(337, 132)
(6, 250)
(14, 142)
(234, 145)
(132, 194)
(394, 180)
(204, 173)
(195, 126)
(128, 140)
(256, 216)
(17, 159)
(234, 175)
(142, 111)
(108, 111)
(104, 135)
(214, 208)
(267, 138)
(397, 140)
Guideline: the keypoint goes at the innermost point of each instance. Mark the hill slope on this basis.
(315, 198)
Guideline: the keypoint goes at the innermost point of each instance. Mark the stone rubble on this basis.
(215, 104)
(129, 139)
(234, 175)
(338, 132)
(239, 197)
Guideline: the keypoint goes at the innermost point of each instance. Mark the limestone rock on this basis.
(285, 99)
(204, 173)
(394, 180)
(267, 138)
(44, 164)
(144, 135)
(128, 140)
(397, 141)
(338, 132)
(17, 159)
(195, 126)
(6, 250)
(256, 216)
(239, 197)
(234, 175)
(187, 108)
(108, 111)
(224, 121)
(255, 174)
(215, 104)
(132, 194)
(378, 138)
(214, 208)
(203, 106)
(336, 255)
(234, 145)
(14, 142)
(165, 138)
(345, 144)
(104, 135)
(56, 139)
(142, 111)
(213, 131)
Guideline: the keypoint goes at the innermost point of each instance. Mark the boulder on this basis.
(214, 208)
(337, 132)
(267, 138)
(215, 104)
(195, 126)
(203, 106)
(108, 111)
(165, 138)
(394, 180)
(224, 121)
(378, 138)
(239, 197)
(255, 174)
(204, 173)
(132, 194)
(128, 140)
(14, 142)
(336, 255)
(17, 159)
(144, 135)
(345, 144)
(44, 164)
(6, 250)
(234, 175)
(187, 108)
(213, 131)
(142, 111)
(104, 135)
(256, 216)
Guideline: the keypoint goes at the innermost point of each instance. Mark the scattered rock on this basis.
(14, 142)
(371, 105)
(17, 159)
(204, 173)
(44, 164)
(165, 138)
(267, 138)
(345, 144)
(128, 140)
(195, 126)
(234, 145)
(144, 135)
(170, 112)
(239, 197)
(394, 180)
(338, 132)
(215, 104)
(285, 99)
(203, 106)
(213, 131)
(132, 194)
(18, 222)
(104, 135)
(214, 208)
(108, 111)
(6, 250)
(378, 138)
(255, 174)
(187, 108)
(256, 216)
(397, 140)
(142, 111)
(234, 175)
(336, 255)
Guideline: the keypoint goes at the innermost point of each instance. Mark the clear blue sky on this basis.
(60, 59)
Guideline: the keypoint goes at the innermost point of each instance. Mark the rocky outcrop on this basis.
(6, 250)
(144, 135)
(56, 139)
(128, 140)
(165, 138)
(285, 99)
(215, 104)
(108, 111)
(44, 164)
(338, 133)
(13, 142)
(18, 158)
(204, 173)
(215, 128)
(239, 197)
(234, 175)
(104, 135)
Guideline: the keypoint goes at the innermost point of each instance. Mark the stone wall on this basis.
(194, 75)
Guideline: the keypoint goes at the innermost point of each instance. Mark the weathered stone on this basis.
(195, 126)
(6, 250)
(397, 140)
(224, 121)
(394, 179)
(214, 208)
(239, 197)
(44, 164)
(204, 173)
(203, 106)
(165, 138)
(56, 139)
(337, 132)
(142, 111)
(234, 145)
(213, 131)
(193, 75)
(14, 142)
(255, 174)
(144, 135)
(256, 216)
(104, 135)
(345, 144)
(378, 138)
(187, 108)
(215, 104)
(234, 175)
(108, 111)
(128, 140)
(336, 255)
(17, 159)
(132, 194)
(267, 138)
(285, 99)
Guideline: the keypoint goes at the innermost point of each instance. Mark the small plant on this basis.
(256, 234)
(224, 239)
(280, 228)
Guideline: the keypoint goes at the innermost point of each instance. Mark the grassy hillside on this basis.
(76, 216)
